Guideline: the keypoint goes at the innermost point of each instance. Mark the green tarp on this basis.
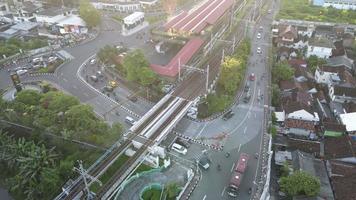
(332, 133)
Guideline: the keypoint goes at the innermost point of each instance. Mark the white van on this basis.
(130, 121)
(179, 148)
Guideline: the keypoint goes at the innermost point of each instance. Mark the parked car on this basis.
(94, 78)
(130, 121)
(183, 142)
(21, 72)
(228, 115)
(132, 98)
(179, 148)
(92, 61)
(99, 74)
(108, 88)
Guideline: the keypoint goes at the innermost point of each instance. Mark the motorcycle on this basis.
(249, 190)
(219, 168)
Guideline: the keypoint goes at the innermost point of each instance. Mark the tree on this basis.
(117, 129)
(313, 62)
(58, 101)
(300, 183)
(282, 71)
(274, 118)
(80, 118)
(107, 54)
(171, 190)
(29, 97)
(230, 75)
(137, 68)
(90, 15)
(276, 93)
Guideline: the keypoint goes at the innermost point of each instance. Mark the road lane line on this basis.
(65, 80)
(222, 193)
(255, 115)
(239, 148)
(232, 167)
(245, 130)
(200, 132)
(204, 197)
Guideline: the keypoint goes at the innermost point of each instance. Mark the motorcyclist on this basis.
(219, 167)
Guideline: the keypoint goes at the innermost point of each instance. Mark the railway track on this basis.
(125, 167)
(79, 186)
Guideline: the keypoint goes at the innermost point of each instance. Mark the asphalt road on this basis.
(242, 133)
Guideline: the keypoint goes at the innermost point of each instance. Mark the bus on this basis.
(237, 175)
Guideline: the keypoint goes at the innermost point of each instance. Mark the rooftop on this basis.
(349, 120)
(343, 179)
(322, 42)
(182, 57)
(340, 61)
(338, 147)
(24, 26)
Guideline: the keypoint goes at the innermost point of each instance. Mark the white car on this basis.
(92, 61)
(179, 148)
(259, 51)
(259, 36)
(21, 72)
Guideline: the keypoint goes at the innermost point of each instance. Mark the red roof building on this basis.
(182, 57)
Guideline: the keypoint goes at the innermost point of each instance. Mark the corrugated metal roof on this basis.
(183, 56)
(175, 20)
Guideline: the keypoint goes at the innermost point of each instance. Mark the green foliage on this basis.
(137, 68)
(172, 190)
(303, 10)
(285, 170)
(300, 183)
(34, 166)
(232, 72)
(274, 118)
(313, 62)
(29, 97)
(58, 101)
(107, 54)
(276, 93)
(13, 45)
(282, 71)
(89, 14)
(273, 130)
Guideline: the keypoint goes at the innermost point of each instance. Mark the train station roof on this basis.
(182, 57)
(194, 22)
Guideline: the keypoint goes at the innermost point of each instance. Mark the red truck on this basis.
(237, 175)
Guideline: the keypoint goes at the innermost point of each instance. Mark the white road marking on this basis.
(204, 197)
(239, 148)
(245, 130)
(232, 167)
(255, 115)
(200, 132)
(222, 193)
(65, 80)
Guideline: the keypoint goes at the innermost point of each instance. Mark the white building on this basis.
(338, 4)
(133, 20)
(303, 115)
(349, 120)
(120, 6)
(328, 75)
(322, 48)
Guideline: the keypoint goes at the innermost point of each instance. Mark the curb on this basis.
(214, 147)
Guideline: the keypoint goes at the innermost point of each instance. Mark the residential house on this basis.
(322, 48)
(333, 129)
(26, 12)
(341, 61)
(300, 116)
(325, 31)
(287, 35)
(302, 161)
(21, 29)
(338, 4)
(349, 120)
(342, 175)
(282, 157)
(348, 40)
(342, 93)
(328, 75)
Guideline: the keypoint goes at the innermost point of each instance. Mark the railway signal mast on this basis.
(86, 177)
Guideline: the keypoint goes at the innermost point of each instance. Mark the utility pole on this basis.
(207, 79)
(86, 177)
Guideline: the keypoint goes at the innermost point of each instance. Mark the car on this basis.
(179, 148)
(21, 72)
(182, 142)
(269, 11)
(132, 98)
(36, 60)
(261, 28)
(130, 121)
(99, 74)
(259, 36)
(204, 162)
(92, 61)
(108, 88)
(113, 84)
(167, 88)
(259, 50)
(52, 59)
(94, 78)
(252, 77)
(228, 115)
